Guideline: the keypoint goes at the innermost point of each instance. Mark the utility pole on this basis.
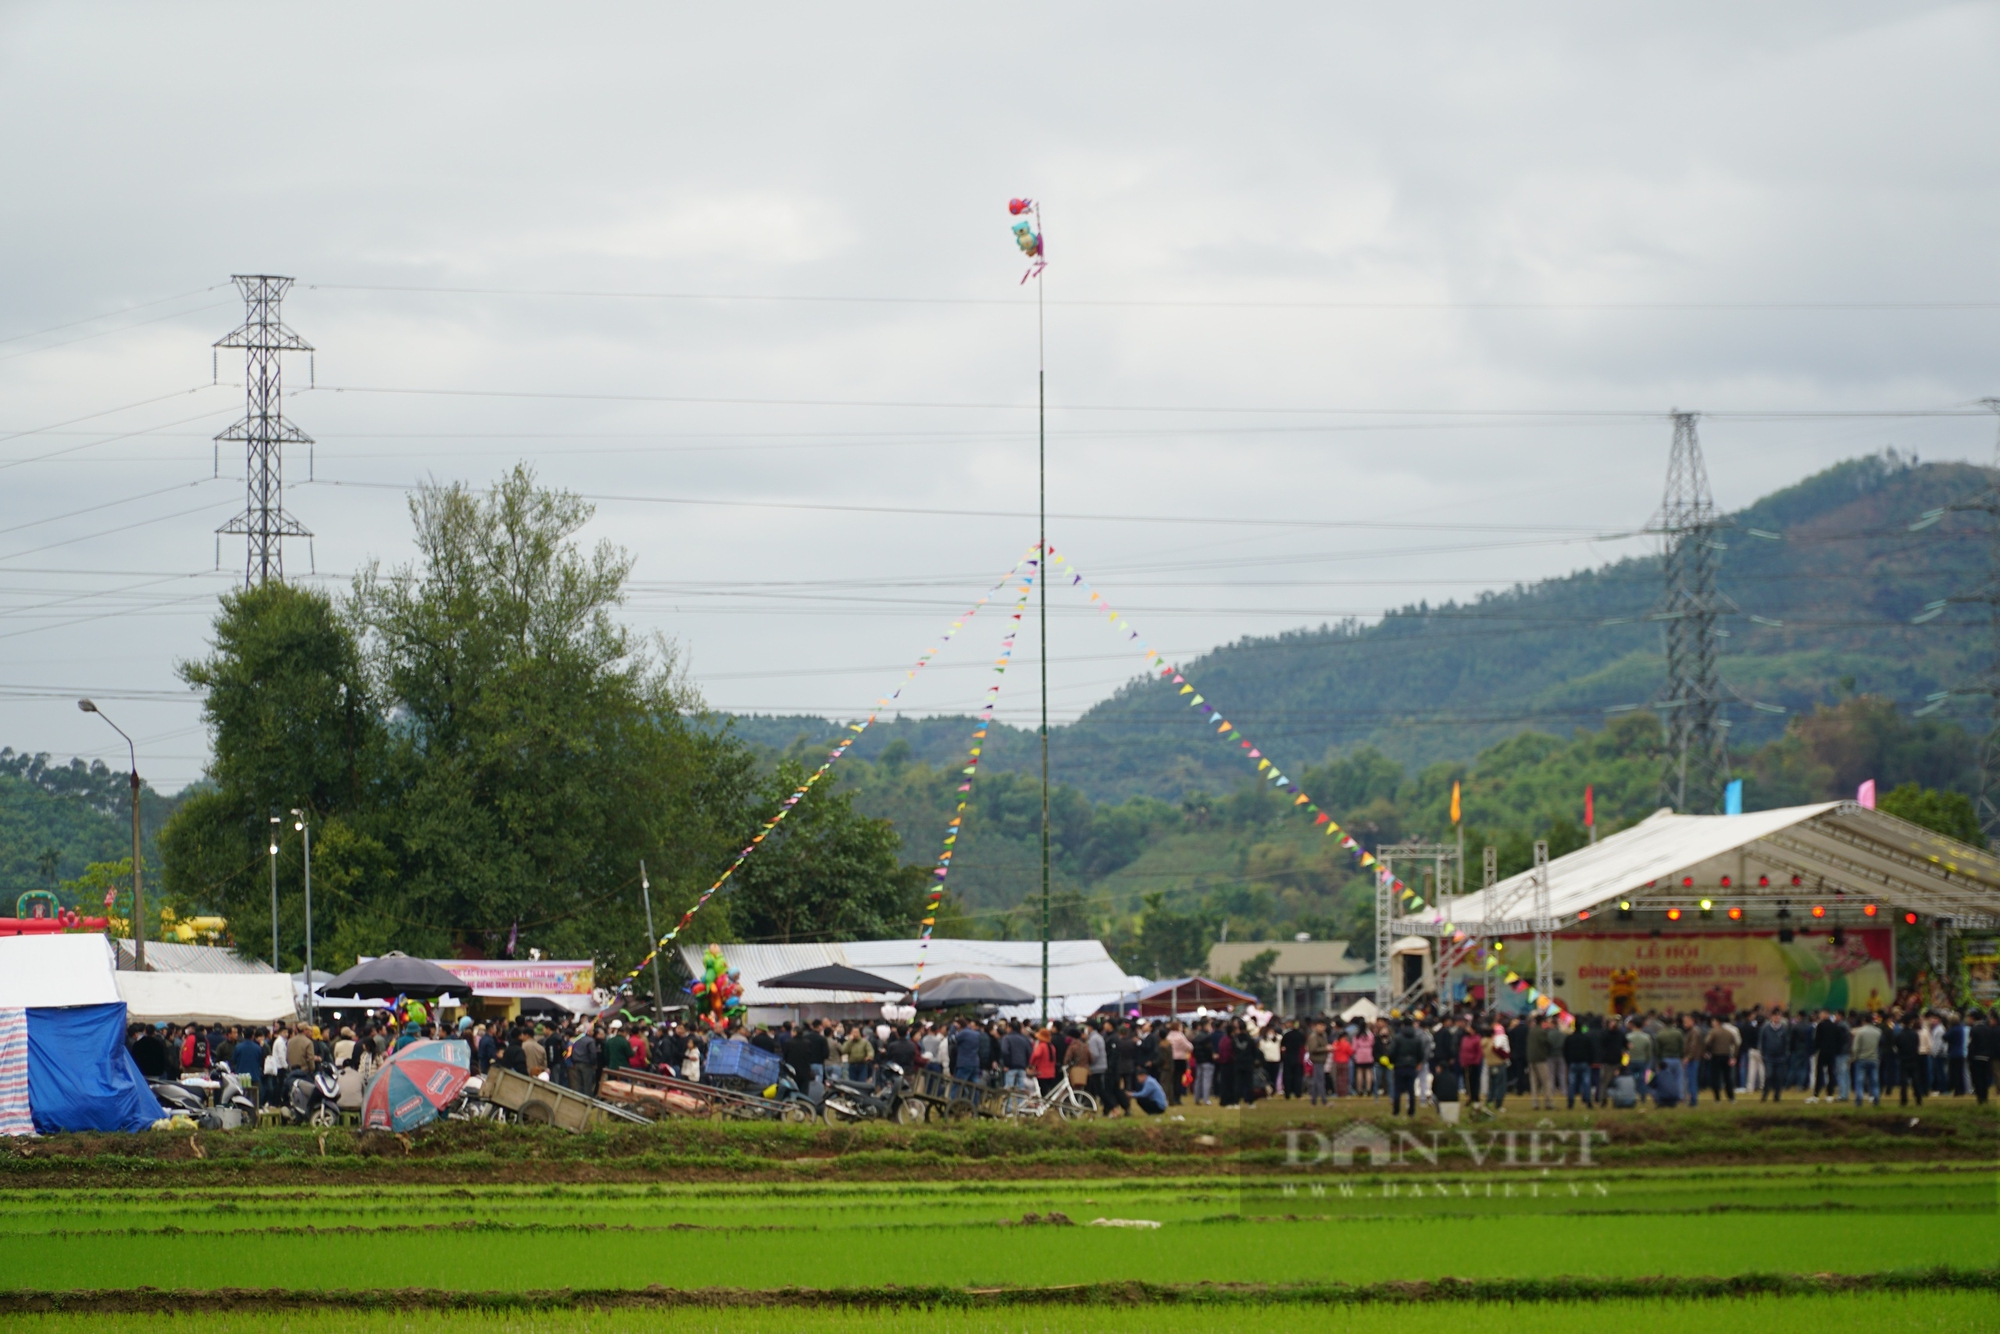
(1042, 569)
(263, 430)
(277, 823)
(138, 884)
(646, 892)
(1689, 612)
(305, 832)
(1545, 940)
(1987, 681)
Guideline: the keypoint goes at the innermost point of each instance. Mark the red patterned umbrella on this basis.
(415, 1084)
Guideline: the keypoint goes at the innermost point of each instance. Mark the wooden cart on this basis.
(544, 1102)
(665, 1095)
(948, 1099)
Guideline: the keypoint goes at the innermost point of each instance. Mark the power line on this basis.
(105, 333)
(122, 310)
(1589, 414)
(1193, 303)
(1584, 534)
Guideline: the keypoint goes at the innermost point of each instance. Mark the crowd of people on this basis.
(1469, 1056)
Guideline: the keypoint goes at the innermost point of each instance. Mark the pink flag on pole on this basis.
(1866, 796)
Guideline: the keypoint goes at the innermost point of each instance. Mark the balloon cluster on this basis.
(718, 990)
(1026, 220)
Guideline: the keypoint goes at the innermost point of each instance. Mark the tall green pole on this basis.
(1042, 570)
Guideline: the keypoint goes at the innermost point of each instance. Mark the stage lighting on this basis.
(1819, 910)
(1735, 914)
(1725, 882)
(1763, 882)
(1909, 919)
(1867, 910)
(1687, 882)
(1673, 914)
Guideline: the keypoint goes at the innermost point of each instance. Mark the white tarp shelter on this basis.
(208, 998)
(1838, 851)
(46, 972)
(1082, 975)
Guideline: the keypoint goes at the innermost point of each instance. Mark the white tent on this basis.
(1082, 976)
(55, 971)
(208, 998)
(1799, 855)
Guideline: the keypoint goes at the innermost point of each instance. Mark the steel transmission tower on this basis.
(264, 430)
(1987, 681)
(1697, 766)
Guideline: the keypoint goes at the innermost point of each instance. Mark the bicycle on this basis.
(1066, 1100)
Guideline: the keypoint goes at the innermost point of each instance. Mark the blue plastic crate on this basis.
(736, 1059)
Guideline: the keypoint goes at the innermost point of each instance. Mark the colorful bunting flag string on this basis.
(841, 747)
(1268, 769)
(971, 769)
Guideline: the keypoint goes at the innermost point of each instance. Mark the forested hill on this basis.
(57, 818)
(1842, 577)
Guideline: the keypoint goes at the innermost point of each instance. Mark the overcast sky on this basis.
(1311, 268)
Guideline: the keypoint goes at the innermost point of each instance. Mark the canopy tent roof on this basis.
(208, 998)
(1838, 850)
(49, 971)
(1081, 975)
(1179, 995)
(834, 977)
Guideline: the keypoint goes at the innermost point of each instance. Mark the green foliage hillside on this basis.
(1842, 579)
(56, 819)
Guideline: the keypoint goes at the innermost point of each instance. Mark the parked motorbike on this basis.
(212, 1104)
(177, 1099)
(877, 1100)
(315, 1099)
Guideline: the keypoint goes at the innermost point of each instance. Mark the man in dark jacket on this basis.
(1292, 1060)
(1610, 1056)
(1579, 1050)
(1774, 1041)
(246, 1058)
(1406, 1053)
(1015, 1049)
(1982, 1049)
(1910, 1072)
(1798, 1051)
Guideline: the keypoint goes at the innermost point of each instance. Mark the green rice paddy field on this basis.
(849, 1236)
(1875, 1313)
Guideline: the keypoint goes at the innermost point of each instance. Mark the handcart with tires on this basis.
(656, 1095)
(512, 1096)
(948, 1099)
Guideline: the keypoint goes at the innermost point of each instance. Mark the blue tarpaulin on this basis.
(80, 1076)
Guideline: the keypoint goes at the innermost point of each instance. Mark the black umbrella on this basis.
(954, 989)
(394, 974)
(834, 977)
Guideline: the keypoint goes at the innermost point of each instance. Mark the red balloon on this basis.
(1019, 206)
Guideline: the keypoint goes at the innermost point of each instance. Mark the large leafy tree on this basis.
(487, 756)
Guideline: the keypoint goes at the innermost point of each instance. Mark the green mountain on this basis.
(56, 819)
(1828, 568)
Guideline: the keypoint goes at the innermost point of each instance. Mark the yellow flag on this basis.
(1454, 803)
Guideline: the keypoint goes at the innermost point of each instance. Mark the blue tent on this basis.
(80, 1076)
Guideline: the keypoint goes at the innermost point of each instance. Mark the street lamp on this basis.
(299, 823)
(138, 891)
(276, 820)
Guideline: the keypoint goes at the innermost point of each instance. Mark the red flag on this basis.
(1589, 815)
